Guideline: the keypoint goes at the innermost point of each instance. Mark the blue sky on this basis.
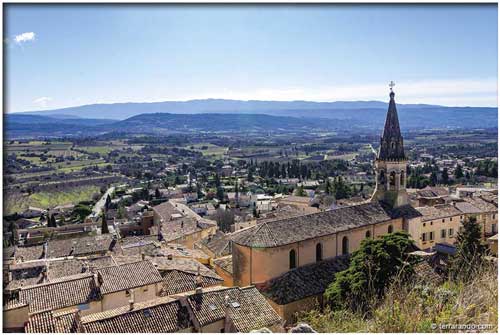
(68, 55)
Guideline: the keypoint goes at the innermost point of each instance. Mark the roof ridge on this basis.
(71, 278)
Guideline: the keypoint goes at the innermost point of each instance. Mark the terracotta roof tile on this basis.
(127, 276)
(162, 315)
(291, 230)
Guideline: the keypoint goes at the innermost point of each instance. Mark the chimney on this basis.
(131, 301)
(226, 300)
(97, 280)
(198, 290)
(45, 277)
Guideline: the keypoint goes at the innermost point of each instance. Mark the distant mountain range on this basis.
(121, 111)
(231, 115)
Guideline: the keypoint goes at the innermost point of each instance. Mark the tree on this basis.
(52, 221)
(157, 193)
(82, 211)
(459, 173)
(108, 202)
(470, 250)
(372, 268)
(434, 178)
(224, 219)
(444, 176)
(300, 192)
(104, 224)
(220, 193)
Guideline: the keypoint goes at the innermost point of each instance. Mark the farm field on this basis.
(16, 202)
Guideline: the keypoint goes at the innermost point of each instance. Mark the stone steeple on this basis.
(390, 165)
(391, 142)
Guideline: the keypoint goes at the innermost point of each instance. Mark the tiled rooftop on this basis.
(247, 308)
(162, 315)
(305, 281)
(178, 281)
(291, 230)
(127, 276)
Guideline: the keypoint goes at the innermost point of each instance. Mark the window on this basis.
(145, 289)
(319, 252)
(424, 237)
(494, 216)
(450, 232)
(431, 223)
(390, 229)
(368, 234)
(461, 217)
(451, 219)
(442, 220)
(423, 224)
(293, 263)
(345, 245)
(431, 236)
(392, 178)
(127, 293)
(494, 228)
(443, 233)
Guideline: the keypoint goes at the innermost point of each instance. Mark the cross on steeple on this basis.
(392, 84)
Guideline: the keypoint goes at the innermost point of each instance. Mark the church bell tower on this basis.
(390, 165)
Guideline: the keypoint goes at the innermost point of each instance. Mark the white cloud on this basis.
(24, 37)
(42, 101)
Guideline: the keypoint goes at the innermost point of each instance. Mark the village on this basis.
(235, 246)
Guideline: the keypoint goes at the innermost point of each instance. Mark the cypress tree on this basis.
(104, 225)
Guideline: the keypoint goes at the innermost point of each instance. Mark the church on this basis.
(292, 260)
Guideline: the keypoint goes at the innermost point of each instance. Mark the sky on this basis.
(69, 55)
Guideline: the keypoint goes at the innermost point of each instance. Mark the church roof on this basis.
(285, 231)
(391, 143)
(304, 281)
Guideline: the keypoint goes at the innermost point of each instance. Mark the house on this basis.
(484, 212)
(430, 196)
(161, 315)
(216, 245)
(176, 281)
(230, 310)
(438, 224)
(223, 266)
(303, 204)
(139, 281)
(79, 291)
(177, 223)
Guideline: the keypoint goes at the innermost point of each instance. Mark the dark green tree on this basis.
(52, 221)
(104, 224)
(300, 192)
(372, 268)
(108, 202)
(459, 173)
(445, 179)
(470, 250)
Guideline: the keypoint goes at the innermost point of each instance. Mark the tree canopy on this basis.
(371, 270)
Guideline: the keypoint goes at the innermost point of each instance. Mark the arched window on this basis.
(293, 262)
(392, 179)
(382, 177)
(345, 245)
(319, 252)
(368, 234)
(402, 179)
(390, 229)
